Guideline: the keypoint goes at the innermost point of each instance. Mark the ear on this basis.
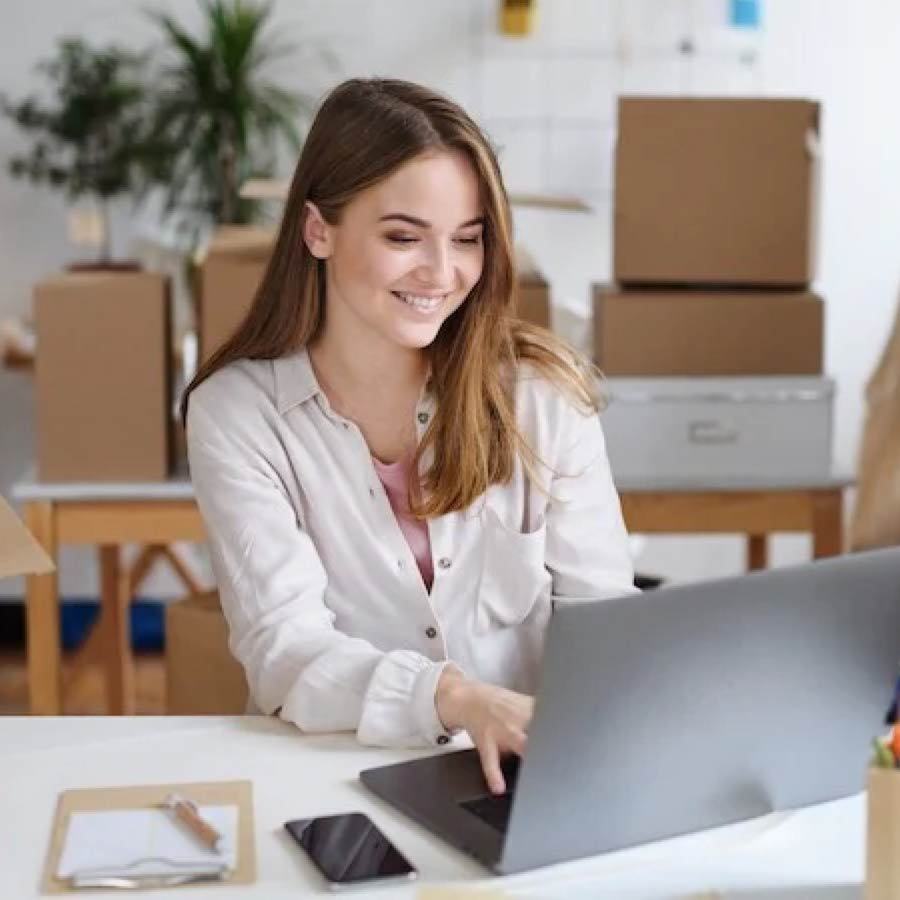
(317, 234)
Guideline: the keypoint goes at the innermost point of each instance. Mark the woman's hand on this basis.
(497, 719)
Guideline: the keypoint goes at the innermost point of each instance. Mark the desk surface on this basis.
(179, 487)
(295, 775)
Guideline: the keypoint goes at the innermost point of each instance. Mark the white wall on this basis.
(548, 100)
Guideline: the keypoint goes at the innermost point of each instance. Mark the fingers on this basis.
(490, 751)
(497, 720)
(517, 741)
(490, 765)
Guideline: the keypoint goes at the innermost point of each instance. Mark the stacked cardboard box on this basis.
(533, 291)
(716, 192)
(714, 254)
(232, 270)
(103, 377)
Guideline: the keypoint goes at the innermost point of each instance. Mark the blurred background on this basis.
(544, 80)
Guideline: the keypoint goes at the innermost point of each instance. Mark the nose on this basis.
(436, 269)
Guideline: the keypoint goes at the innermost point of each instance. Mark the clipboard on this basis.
(224, 793)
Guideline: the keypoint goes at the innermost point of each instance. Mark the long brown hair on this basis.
(363, 132)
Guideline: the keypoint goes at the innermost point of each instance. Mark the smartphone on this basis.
(350, 851)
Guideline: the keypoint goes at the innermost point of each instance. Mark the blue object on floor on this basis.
(745, 13)
(147, 626)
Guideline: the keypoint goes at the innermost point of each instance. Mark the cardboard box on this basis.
(232, 270)
(20, 553)
(103, 377)
(202, 677)
(716, 191)
(532, 290)
(533, 302)
(648, 333)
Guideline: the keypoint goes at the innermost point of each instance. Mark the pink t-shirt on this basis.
(395, 478)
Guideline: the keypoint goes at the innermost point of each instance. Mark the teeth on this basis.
(424, 303)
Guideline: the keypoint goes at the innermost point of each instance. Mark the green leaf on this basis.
(86, 137)
(219, 110)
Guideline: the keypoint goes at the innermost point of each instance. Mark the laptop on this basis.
(678, 710)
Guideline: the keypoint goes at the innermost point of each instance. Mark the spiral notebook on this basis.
(121, 837)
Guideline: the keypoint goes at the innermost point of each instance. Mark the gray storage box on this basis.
(718, 429)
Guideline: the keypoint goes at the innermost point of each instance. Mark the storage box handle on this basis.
(711, 432)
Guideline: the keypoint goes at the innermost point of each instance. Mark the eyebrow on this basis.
(421, 223)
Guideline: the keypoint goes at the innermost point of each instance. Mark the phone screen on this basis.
(349, 848)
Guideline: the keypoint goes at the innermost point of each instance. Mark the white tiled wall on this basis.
(548, 99)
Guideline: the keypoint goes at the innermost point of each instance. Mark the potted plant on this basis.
(91, 138)
(222, 118)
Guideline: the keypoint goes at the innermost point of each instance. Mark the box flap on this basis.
(20, 553)
(250, 241)
(92, 279)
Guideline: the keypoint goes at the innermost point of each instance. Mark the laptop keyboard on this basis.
(495, 808)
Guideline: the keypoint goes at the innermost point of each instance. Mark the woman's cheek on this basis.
(474, 272)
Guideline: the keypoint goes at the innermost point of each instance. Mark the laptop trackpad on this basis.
(494, 809)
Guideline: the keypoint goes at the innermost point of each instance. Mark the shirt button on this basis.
(346, 424)
(443, 739)
(431, 632)
(399, 563)
(371, 492)
(423, 418)
(444, 562)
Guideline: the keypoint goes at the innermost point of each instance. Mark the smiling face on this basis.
(405, 254)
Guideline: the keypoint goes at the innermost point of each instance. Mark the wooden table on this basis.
(159, 514)
(107, 516)
(751, 507)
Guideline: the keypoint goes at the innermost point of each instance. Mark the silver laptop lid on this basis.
(697, 705)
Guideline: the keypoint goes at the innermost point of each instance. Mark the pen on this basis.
(186, 812)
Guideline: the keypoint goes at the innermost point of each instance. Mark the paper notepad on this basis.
(147, 798)
(145, 843)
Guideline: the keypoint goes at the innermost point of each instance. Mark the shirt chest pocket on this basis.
(513, 575)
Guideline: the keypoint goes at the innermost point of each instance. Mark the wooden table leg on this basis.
(115, 605)
(828, 523)
(42, 613)
(142, 565)
(182, 569)
(96, 649)
(757, 552)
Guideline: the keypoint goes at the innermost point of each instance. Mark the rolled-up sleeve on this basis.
(587, 544)
(272, 587)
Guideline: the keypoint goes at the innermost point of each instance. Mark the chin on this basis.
(416, 338)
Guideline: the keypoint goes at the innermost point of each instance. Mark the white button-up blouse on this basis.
(326, 607)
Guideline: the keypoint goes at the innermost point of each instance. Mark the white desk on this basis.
(295, 775)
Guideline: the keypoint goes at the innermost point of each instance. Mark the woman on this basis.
(398, 478)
